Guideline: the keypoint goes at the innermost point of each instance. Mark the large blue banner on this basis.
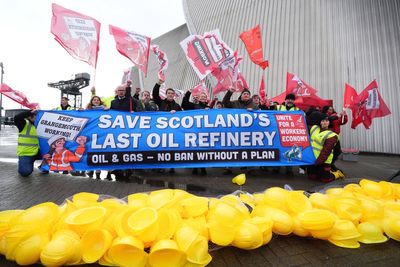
(108, 140)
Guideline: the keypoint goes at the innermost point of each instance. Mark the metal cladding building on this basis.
(326, 43)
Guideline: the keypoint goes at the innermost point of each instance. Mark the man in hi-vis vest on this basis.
(28, 142)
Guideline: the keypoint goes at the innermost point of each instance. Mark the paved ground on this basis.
(20, 193)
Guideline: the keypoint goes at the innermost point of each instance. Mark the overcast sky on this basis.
(32, 57)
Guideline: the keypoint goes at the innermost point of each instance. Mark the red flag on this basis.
(134, 46)
(262, 91)
(349, 95)
(252, 41)
(368, 105)
(17, 96)
(296, 86)
(162, 61)
(77, 33)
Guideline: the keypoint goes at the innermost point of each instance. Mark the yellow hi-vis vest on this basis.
(60, 108)
(318, 139)
(28, 142)
(283, 108)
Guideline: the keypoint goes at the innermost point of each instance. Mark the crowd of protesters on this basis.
(323, 124)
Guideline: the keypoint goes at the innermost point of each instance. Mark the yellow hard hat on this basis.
(276, 197)
(297, 202)
(344, 230)
(165, 253)
(94, 244)
(371, 188)
(127, 251)
(348, 243)
(248, 236)
(370, 233)
(143, 223)
(197, 253)
(317, 219)
(239, 179)
(391, 226)
(85, 219)
(28, 251)
(194, 206)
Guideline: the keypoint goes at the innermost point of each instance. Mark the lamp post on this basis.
(1, 95)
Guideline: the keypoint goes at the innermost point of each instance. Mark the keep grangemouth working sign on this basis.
(107, 140)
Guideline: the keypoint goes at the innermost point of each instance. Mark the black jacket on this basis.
(19, 119)
(187, 105)
(164, 104)
(124, 104)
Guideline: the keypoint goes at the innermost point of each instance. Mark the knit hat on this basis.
(244, 91)
(320, 117)
(290, 96)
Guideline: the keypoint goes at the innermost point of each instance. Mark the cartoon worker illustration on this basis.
(59, 158)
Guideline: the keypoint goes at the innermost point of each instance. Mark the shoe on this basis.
(108, 177)
(203, 172)
(90, 174)
(338, 174)
(171, 171)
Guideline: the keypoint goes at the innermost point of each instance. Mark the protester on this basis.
(97, 104)
(146, 103)
(167, 104)
(28, 142)
(219, 105)
(335, 123)
(323, 141)
(123, 101)
(244, 101)
(64, 105)
(202, 103)
(288, 105)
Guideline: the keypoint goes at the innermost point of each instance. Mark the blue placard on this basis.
(109, 140)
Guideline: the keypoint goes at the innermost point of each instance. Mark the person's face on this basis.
(203, 98)
(64, 102)
(32, 118)
(137, 90)
(96, 101)
(219, 105)
(59, 143)
(330, 110)
(325, 124)
(170, 95)
(146, 96)
(245, 96)
(195, 98)
(289, 102)
(121, 92)
(256, 100)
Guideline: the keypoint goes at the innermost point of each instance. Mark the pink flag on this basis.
(17, 96)
(252, 41)
(162, 60)
(296, 86)
(368, 105)
(134, 46)
(205, 52)
(262, 91)
(227, 75)
(77, 33)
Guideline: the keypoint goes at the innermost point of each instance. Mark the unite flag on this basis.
(17, 96)
(78, 34)
(162, 61)
(134, 46)
(366, 106)
(253, 43)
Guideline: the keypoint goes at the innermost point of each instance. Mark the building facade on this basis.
(327, 43)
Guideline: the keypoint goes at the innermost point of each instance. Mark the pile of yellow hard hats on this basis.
(172, 227)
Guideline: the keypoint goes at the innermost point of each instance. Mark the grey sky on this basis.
(32, 57)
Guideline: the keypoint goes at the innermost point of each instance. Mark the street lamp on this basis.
(1, 95)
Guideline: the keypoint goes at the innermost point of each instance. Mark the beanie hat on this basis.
(290, 96)
(320, 117)
(245, 90)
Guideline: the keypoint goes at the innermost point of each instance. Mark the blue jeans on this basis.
(25, 165)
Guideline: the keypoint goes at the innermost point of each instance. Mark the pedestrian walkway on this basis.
(20, 193)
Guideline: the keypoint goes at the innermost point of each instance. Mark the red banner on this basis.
(162, 61)
(17, 96)
(77, 33)
(349, 95)
(252, 41)
(292, 130)
(262, 91)
(134, 46)
(205, 52)
(368, 105)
